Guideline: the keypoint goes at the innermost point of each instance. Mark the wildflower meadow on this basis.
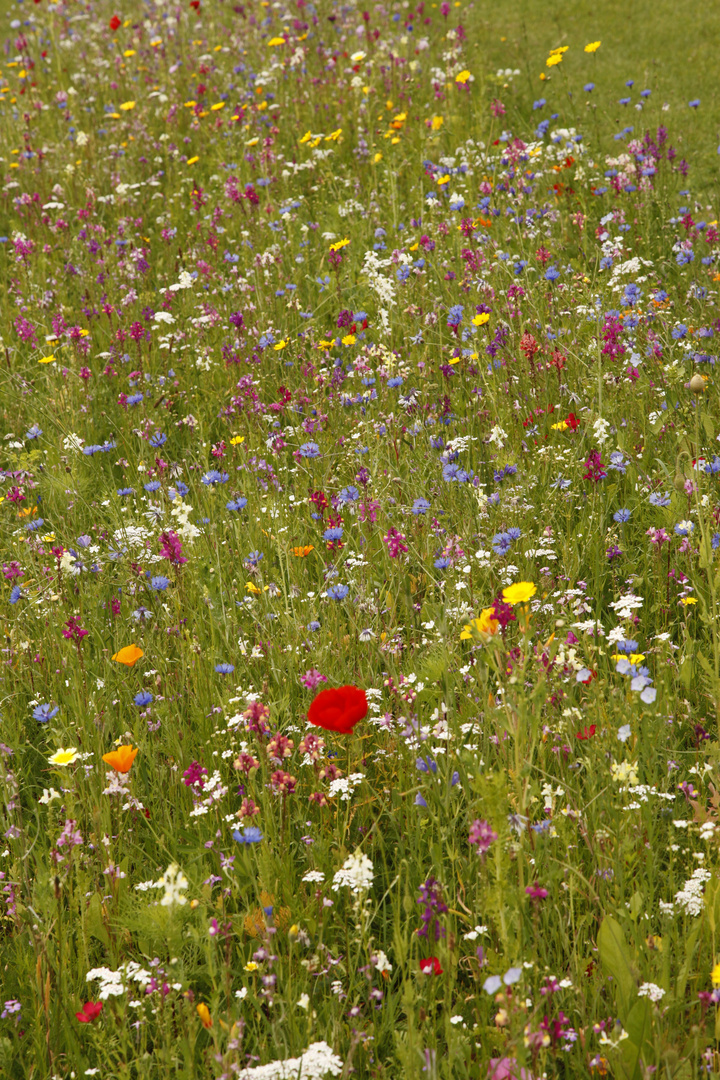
(360, 526)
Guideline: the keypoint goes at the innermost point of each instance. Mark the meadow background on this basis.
(373, 347)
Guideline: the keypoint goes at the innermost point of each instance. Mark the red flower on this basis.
(572, 421)
(115, 22)
(90, 1011)
(431, 966)
(338, 709)
(586, 733)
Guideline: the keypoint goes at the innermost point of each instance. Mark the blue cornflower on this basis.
(678, 332)
(33, 526)
(122, 492)
(253, 558)
(154, 485)
(420, 506)
(143, 698)
(501, 543)
(441, 564)
(589, 87)
(214, 477)
(338, 592)
(684, 528)
(552, 274)
(396, 381)
(158, 439)
(180, 490)
(349, 494)
(560, 483)
(694, 103)
(313, 626)
(333, 534)
(249, 835)
(455, 315)
(632, 294)
(34, 433)
(15, 594)
(684, 257)
(659, 499)
(224, 669)
(618, 462)
(622, 515)
(43, 713)
(236, 504)
(309, 450)
(159, 583)
(514, 533)
(454, 472)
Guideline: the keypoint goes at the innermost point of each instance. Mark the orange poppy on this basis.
(128, 655)
(121, 759)
(301, 552)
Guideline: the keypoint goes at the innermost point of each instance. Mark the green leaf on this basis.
(616, 960)
(639, 1028)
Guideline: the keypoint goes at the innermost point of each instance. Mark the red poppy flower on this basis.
(90, 1011)
(338, 709)
(115, 22)
(431, 966)
(572, 421)
(586, 733)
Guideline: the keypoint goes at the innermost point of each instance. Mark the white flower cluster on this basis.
(655, 993)
(317, 1062)
(356, 873)
(690, 897)
(173, 882)
(344, 786)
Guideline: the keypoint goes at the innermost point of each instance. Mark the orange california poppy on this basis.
(121, 759)
(301, 552)
(129, 655)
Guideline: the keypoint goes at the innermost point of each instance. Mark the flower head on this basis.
(64, 757)
(121, 759)
(519, 593)
(338, 709)
(128, 655)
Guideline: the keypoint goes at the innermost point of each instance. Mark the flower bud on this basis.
(697, 384)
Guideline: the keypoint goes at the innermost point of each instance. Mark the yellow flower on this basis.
(562, 426)
(279, 345)
(127, 106)
(251, 587)
(47, 359)
(519, 593)
(688, 600)
(64, 757)
(276, 41)
(237, 439)
(333, 136)
(444, 179)
(715, 976)
(349, 339)
(436, 123)
(217, 105)
(462, 78)
(484, 627)
(481, 319)
(553, 60)
(340, 244)
(378, 157)
(251, 966)
(306, 137)
(128, 52)
(204, 1014)
(192, 160)
(592, 47)
(560, 50)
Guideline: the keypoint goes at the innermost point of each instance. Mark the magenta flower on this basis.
(482, 835)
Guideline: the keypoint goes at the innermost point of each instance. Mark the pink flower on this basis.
(312, 678)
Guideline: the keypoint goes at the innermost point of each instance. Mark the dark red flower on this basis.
(338, 709)
(90, 1011)
(431, 966)
(586, 733)
(115, 22)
